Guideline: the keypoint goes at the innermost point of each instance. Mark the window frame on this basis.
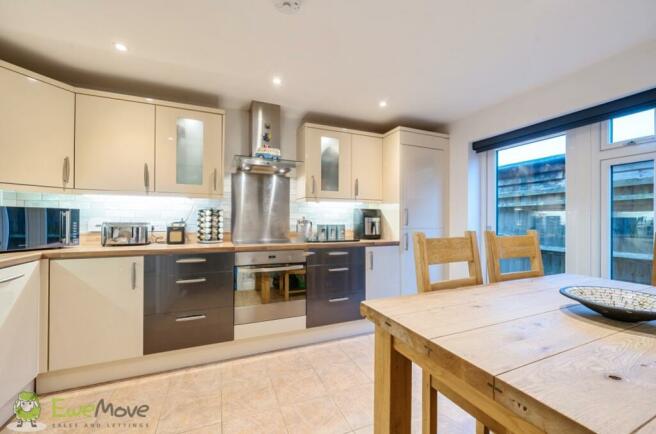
(606, 130)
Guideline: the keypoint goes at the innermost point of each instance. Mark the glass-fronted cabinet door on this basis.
(188, 151)
(328, 164)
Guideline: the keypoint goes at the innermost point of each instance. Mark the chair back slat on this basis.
(436, 251)
(513, 247)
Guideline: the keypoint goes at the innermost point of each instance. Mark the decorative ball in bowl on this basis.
(616, 303)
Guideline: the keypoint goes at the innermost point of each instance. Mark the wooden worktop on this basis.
(97, 251)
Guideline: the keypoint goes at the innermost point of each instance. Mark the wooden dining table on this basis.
(518, 356)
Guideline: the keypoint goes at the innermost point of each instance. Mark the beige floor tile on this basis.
(366, 365)
(361, 346)
(298, 386)
(245, 369)
(201, 381)
(357, 405)
(325, 354)
(287, 362)
(318, 416)
(209, 429)
(184, 413)
(256, 422)
(341, 376)
(241, 399)
(366, 430)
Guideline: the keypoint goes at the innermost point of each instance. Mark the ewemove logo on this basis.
(27, 409)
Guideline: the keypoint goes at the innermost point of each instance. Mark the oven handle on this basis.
(274, 269)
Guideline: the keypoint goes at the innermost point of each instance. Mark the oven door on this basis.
(269, 292)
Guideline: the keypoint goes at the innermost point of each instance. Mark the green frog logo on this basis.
(27, 409)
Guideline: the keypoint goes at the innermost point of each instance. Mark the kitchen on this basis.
(248, 217)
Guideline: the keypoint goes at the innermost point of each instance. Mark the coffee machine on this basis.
(367, 224)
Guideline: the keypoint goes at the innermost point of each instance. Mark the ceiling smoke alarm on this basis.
(288, 6)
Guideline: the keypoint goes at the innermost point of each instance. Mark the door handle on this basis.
(214, 181)
(337, 253)
(66, 171)
(371, 261)
(146, 177)
(190, 318)
(191, 261)
(12, 278)
(357, 187)
(337, 300)
(406, 241)
(190, 281)
(313, 185)
(406, 216)
(134, 276)
(335, 270)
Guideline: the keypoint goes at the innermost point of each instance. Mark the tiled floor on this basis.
(323, 388)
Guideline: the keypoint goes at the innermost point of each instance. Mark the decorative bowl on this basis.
(616, 303)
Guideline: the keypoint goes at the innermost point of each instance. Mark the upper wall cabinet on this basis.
(189, 151)
(339, 164)
(114, 144)
(36, 121)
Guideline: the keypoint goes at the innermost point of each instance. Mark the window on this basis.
(633, 126)
(530, 194)
(632, 221)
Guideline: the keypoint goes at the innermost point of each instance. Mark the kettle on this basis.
(304, 229)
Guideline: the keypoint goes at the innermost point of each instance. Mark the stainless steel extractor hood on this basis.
(265, 142)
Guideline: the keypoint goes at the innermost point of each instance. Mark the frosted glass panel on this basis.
(329, 164)
(189, 152)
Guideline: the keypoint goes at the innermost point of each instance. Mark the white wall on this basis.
(622, 75)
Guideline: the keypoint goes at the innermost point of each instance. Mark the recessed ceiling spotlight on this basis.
(277, 81)
(382, 104)
(288, 7)
(120, 46)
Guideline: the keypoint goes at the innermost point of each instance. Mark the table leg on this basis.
(392, 387)
(428, 404)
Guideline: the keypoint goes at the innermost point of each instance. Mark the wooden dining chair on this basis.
(438, 251)
(513, 247)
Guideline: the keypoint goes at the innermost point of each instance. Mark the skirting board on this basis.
(51, 382)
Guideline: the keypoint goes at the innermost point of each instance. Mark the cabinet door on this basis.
(19, 328)
(423, 174)
(367, 167)
(383, 265)
(114, 144)
(328, 164)
(408, 271)
(189, 155)
(96, 311)
(37, 121)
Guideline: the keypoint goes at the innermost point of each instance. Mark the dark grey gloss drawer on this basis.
(334, 310)
(348, 255)
(329, 281)
(173, 331)
(183, 292)
(212, 262)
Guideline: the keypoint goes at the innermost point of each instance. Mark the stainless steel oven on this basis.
(269, 285)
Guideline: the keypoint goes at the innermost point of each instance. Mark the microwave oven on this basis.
(26, 228)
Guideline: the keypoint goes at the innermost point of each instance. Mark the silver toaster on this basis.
(124, 234)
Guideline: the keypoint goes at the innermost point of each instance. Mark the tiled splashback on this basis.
(161, 210)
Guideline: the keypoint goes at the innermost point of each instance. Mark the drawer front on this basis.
(351, 255)
(330, 281)
(173, 331)
(205, 263)
(167, 294)
(334, 310)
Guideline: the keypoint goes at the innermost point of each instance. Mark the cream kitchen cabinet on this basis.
(382, 272)
(19, 328)
(96, 310)
(36, 121)
(367, 167)
(114, 144)
(189, 151)
(339, 164)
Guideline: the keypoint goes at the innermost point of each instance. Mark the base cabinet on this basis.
(19, 328)
(96, 311)
(383, 272)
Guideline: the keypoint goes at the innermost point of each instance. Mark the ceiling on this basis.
(433, 61)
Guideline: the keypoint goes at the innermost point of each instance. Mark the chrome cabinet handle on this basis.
(146, 176)
(191, 261)
(189, 281)
(66, 171)
(337, 300)
(337, 253)
(406, 241)
(357, 187)
(9, 279)
(190, 318)
(214, 181)
(406, 216)
(335, 270)
(371, 261)
(134, 275)
(313, 185)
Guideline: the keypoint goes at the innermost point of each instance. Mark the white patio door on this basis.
(627, 217)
